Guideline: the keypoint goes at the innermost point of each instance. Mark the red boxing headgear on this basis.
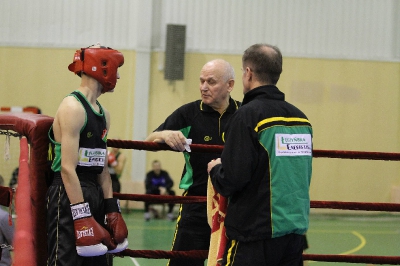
(99, 63)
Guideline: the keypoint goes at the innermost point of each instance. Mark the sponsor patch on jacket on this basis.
(92, 157)
(293, 145)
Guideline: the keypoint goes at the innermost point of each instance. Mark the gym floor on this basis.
(370, 234)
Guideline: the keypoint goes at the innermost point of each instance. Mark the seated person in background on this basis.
(116, 164)
(158, 182)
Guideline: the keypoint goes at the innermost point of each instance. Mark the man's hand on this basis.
(174, 138)
(163, 191)
(212, 163)
(90, 237)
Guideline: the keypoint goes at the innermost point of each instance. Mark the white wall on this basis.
(340, 29)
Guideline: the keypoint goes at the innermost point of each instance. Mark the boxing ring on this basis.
(30, 235)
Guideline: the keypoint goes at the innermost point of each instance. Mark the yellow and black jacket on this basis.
(266, 168)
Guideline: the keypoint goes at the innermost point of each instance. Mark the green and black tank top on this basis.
(92, 140)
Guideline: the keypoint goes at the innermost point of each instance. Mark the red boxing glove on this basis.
(112, 160)
(116, 224)
(91, 238)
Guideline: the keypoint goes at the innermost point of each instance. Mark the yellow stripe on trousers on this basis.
(230, 258)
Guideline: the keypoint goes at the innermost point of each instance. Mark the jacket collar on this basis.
(268, 91)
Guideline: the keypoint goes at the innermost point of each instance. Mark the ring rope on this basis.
(162, 254)
(364, 206)
(340, 205)
(160, 198)
(153, 146)
(393, 260)
(202, 254)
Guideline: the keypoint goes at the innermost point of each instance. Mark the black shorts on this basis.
(283, 251)
(192, 233)
(60, 227)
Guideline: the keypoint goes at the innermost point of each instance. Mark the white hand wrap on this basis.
(80, 210)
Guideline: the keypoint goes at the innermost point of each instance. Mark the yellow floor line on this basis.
(363, 241)
(362, 244)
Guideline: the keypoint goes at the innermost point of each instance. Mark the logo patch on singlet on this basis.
(104, 135)
(92, 157)
(293, 145)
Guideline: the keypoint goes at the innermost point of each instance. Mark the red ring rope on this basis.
(202, 254)
(161, 254)
(160, 199)
(393, 260)
(153, 146)
(340, 205)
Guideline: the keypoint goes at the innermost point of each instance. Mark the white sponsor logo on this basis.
(92, 157)
(80, 211)
(84, 232)
(293, 145)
